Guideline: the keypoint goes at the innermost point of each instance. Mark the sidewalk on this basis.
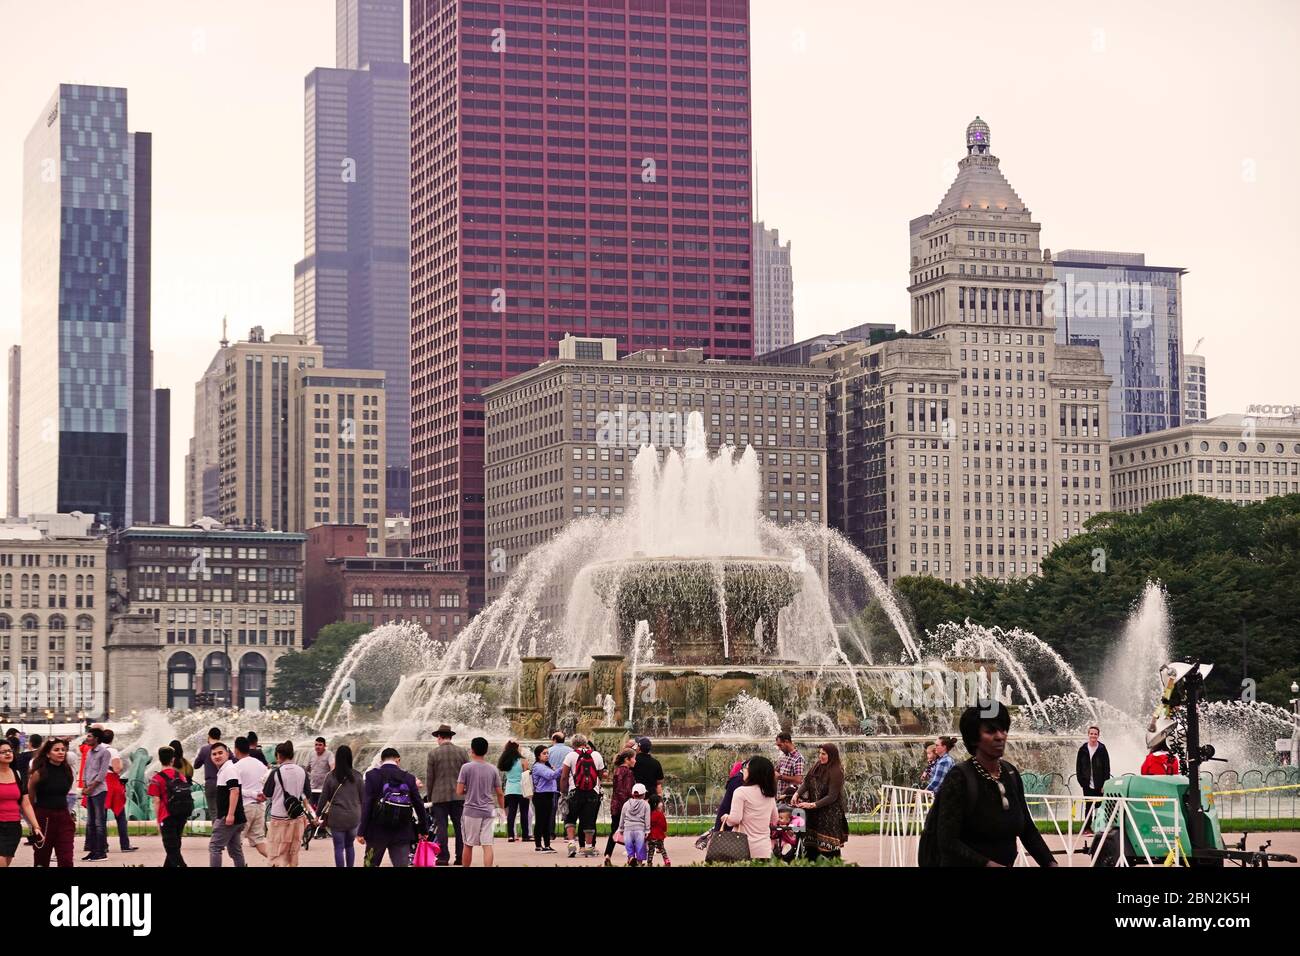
(862, 850)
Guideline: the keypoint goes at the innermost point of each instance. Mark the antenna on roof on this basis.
(224, 341)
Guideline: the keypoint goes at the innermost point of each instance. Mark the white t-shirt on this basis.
(252, 773)
(295, 781)
(571, 761)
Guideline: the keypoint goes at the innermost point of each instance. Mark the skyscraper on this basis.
(353, 285)
(773, 291)
(970, 447)
(1195, 392)
(576, 167)
(88, 438)
(1133, 312)
(203, 462)
(11, 446)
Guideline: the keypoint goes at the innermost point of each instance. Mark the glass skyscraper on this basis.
(89, 412)
(1133, 313)
(353, 285)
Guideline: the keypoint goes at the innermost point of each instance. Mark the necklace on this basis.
(985, 774)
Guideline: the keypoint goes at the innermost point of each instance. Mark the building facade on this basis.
(203, 462)
(225, 606)
(1133, 312)
(574, 169)
(1195, 390)
(561, 438)
(1234, 458)
(969, 448)
(53, 582)
(296, 444)
(352, 289)
(802, 352)
(336, 469)
(88, 432)
(12, 431)
(346, 583)
(773, 291)
(255, 429)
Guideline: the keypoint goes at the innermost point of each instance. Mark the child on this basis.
(785, 841)
(633, 823)
(658, 832)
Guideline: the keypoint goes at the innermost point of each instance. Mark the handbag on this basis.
(426, 853)
(526, 785)
(728, 846)
(618, 837)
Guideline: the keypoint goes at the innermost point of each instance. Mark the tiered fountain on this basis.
(699, 623)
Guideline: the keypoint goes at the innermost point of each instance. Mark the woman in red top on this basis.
(15, 805)
(624, 781)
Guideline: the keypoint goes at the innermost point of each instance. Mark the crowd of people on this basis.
(783, 807)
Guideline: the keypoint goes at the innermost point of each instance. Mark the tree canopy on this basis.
(1232, 574)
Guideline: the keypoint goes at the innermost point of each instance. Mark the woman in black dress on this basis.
(822, 795)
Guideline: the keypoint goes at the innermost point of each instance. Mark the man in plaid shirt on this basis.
(942, 747)
(789, 766)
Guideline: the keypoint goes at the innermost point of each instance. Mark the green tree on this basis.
(302, 676)
(1232, 574)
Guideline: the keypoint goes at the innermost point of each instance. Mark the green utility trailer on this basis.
(1152, 823)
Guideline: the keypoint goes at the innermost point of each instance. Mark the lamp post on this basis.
(1295, 720)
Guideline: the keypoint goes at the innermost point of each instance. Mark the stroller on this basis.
(787, 840)
(316, 828)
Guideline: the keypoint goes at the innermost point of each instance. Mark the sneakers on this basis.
(573, 850)
(668, 862)
(549, 849)
(129, 849)
(608, 861)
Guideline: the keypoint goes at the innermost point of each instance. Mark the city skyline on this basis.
(1200, 182)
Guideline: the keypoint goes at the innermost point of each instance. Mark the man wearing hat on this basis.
(442, 771)
(648, 771)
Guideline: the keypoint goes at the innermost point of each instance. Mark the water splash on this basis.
(749, 717)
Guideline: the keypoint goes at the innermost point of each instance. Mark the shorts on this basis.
(255, 831)
(11, 833)
(562, 807)
(477, 830)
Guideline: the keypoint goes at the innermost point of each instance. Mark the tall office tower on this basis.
(87, 431)
(336, 468)
(773, 291)
(255, 433)
(203, 463)
(15, 400)
(353, 285)
(576, 167)
(297, 444)
(1133, 312)
(970, 447)
(1195, 394)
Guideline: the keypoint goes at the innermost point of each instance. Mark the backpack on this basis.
(178, 795)
(293, 805)
(928, 852)
(394, 809)
(585, 775)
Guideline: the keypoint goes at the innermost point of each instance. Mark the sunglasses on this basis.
(1002, 791)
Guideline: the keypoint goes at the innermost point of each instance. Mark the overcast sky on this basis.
(1162, 128)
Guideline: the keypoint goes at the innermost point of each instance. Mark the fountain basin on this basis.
(700, 610)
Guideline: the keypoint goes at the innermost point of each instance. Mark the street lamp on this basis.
(1295, 731)
(49, 723)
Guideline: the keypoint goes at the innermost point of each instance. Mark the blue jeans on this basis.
(97, 824)
(634, 843)
(345, 849)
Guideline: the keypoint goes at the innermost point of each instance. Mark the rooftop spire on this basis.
(977, 136)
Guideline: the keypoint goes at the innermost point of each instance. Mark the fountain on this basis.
(696, 621)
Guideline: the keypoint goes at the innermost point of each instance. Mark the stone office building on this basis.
(547, 465)
(1237, 458)
(211, 609)
(53, 579)
(969, 448)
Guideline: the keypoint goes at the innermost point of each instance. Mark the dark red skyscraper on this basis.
(577, 166)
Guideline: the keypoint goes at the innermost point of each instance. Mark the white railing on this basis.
(903, 811)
